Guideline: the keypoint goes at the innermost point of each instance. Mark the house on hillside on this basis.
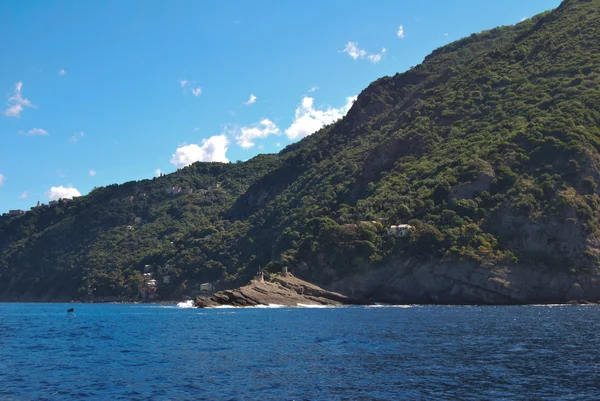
(188, 190)
(17, 212)
(206, 287)
(129, 198)
(176, 190)
(401, 230)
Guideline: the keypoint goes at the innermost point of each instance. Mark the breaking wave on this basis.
(186, 304)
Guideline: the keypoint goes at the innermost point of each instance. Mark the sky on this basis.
(96, 93)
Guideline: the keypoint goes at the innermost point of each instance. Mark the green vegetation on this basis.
(490, 149)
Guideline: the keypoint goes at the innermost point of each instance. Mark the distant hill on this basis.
(489, 149)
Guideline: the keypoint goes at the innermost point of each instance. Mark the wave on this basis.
(390, 306)
(316, 306)
(186, 304)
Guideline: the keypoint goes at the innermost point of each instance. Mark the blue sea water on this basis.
(152, 352)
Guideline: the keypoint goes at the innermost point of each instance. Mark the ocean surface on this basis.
(153, 352)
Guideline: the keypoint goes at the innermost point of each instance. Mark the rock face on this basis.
(280, 290)
(455, 282)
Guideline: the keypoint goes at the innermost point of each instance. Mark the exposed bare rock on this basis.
(280, 290)
(461, 282)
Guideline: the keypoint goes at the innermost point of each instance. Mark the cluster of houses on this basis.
(52, 203)
(148, 288)
(177, 190)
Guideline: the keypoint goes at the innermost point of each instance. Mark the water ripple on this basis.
(136, 352)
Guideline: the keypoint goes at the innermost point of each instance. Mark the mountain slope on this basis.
(489, 149)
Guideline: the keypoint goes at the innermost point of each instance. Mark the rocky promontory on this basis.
(277, 289)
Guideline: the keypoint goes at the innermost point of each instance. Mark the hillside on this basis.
(489, 149)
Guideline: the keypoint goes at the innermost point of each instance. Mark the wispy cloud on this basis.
(247, 135)
(77, 136)
(92, 173)
(24, 195)
(523, 19)
(212, 149)
(196, 129)
(62, 71)
(186, 84)
(61, 192)
(60, 173)
(357, 53)
(16, 103)
(376, 58)
(400, 32)
(251, 100)
(313, 89)
(2, 178)
(309, 120)
(35, 131)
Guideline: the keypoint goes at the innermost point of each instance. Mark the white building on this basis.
(401, 230)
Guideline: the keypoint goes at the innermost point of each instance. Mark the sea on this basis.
(176, 352)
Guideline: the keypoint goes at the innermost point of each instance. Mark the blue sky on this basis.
(97, 93)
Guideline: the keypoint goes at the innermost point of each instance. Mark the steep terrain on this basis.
(489, 149)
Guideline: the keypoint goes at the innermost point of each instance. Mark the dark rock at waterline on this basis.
(284, 290)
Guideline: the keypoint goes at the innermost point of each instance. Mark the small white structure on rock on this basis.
(401, 230)
(206, 287)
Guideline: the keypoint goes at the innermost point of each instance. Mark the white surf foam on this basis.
(390, 306)
(315, 306)
(186, 304)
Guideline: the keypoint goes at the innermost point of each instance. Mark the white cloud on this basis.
(376, 58)
(278, 144)
(196, 129)
(62, 72)
(60, 173)
(185, 84)
(213, 149)
(92, 173)
(313, 89)
(247, 135)
(400, 32)
(2, 177)
(523, 19)
(354, 51)
(16, 102)
(357, 53)
(77, 136)
(24, 195)
(35, 131)
(157, 173)
(309, 120)
(446, 34)
(251, 100)
(55, 193)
